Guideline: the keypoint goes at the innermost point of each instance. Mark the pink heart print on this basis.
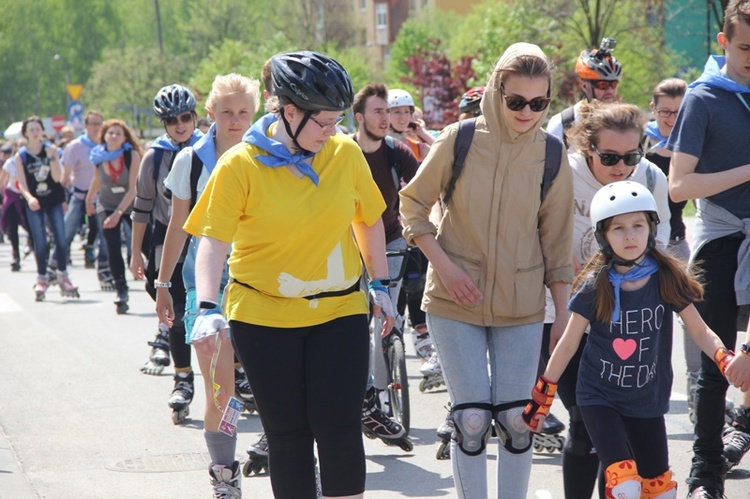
(624, 348)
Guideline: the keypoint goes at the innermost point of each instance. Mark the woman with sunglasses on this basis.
(298, 204)
(608, 140)
(174, 105)
(497, 246)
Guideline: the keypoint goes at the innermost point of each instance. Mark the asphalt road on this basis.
(78, 418)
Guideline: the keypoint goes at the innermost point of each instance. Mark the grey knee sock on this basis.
(221, 447)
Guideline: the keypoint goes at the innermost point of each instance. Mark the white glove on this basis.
(207, 324)
(379, 296)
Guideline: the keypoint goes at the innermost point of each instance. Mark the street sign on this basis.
(74, 91)
(75, 113)
(58, 122)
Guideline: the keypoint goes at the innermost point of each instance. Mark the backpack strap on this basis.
(127, 156)
(552, 159)
(196, 167)
(650, 181)
(390, 151)
(460, 149)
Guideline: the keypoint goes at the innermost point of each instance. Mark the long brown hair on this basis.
(679, 285)
(129, 135)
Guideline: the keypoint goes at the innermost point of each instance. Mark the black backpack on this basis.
(552, 157)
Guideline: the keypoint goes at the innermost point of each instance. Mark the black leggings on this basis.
(309, 384)
(619, 438)
(114, 244)
(580, 462)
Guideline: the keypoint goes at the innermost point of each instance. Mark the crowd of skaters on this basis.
(211, 211)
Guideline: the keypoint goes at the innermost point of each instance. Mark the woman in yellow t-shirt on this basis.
(298, 204)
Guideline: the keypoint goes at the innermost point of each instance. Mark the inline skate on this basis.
(89, 258)
(243, 391)
(736, 437)
(376, 424)
(226, 481)
(41, 286)
(182, 395)
(121, 303)
(257, 461)
(158, 359)
(432, 374)
(106, 281)
(52, 276)
(67, 289)
(15, 264)
(445, 434)
(550, 439)
(422, 342)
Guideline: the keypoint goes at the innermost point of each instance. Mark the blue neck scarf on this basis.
(714, 78)
(644, 269)
(205, 149)
(652, 131)
(166, 143)
(99, 154)
(86, 140)
(278, 154)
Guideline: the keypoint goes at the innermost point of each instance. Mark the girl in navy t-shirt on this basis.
(627, 293)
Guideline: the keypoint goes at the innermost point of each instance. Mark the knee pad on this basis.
(511, 430)
(473, 422)
(622, 480)
(661, 487)
(578, 442)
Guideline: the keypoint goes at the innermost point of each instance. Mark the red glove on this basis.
(723, 357)
(542, 397)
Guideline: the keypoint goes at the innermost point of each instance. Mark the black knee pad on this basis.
(473, 424)
(578, 443)
(511, 429)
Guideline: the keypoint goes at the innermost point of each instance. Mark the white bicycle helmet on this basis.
(398, 97)
(619, 198)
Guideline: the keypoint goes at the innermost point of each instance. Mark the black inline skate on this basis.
(89, 257)
(243, 391)
(736, 437)
(158, 359)
(551, 437)
(445, 434)
(182, 395)
(257, 461)
(376, 424)
(121, 303)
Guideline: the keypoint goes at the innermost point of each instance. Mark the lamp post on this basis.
(58, 57)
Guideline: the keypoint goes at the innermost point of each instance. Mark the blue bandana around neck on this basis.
(644, 269)
(166, 143)
(86, 140)
(714, 78)
(652, 131)
(205, 148)
(278, 154)
(99, 154)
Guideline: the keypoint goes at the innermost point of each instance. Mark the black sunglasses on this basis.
(608, 159)
(516, 103)
(603, 84)
(184, 118)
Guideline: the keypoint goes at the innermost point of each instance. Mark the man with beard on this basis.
(392, 165)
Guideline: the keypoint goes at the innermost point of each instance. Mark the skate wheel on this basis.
(538, 447)
(443, 452)
(423, 385)
(247, 468)
(176, 418)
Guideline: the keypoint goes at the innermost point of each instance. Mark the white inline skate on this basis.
(41, 287)
(432, 374)
(182, 395)
(67, 289)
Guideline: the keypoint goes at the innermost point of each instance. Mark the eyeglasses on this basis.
(327, 126)
(94, 123)
(609, 159)
(666, 113)
(603, 84)
(516, 103)
(184, 118)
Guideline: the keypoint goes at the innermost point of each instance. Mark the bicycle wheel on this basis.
(398, 383)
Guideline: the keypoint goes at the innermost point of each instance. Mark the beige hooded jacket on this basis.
(495, 228)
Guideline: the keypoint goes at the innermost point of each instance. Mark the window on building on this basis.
(381, 16)
(363, 5)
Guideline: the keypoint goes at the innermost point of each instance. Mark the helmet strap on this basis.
(288, 128)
